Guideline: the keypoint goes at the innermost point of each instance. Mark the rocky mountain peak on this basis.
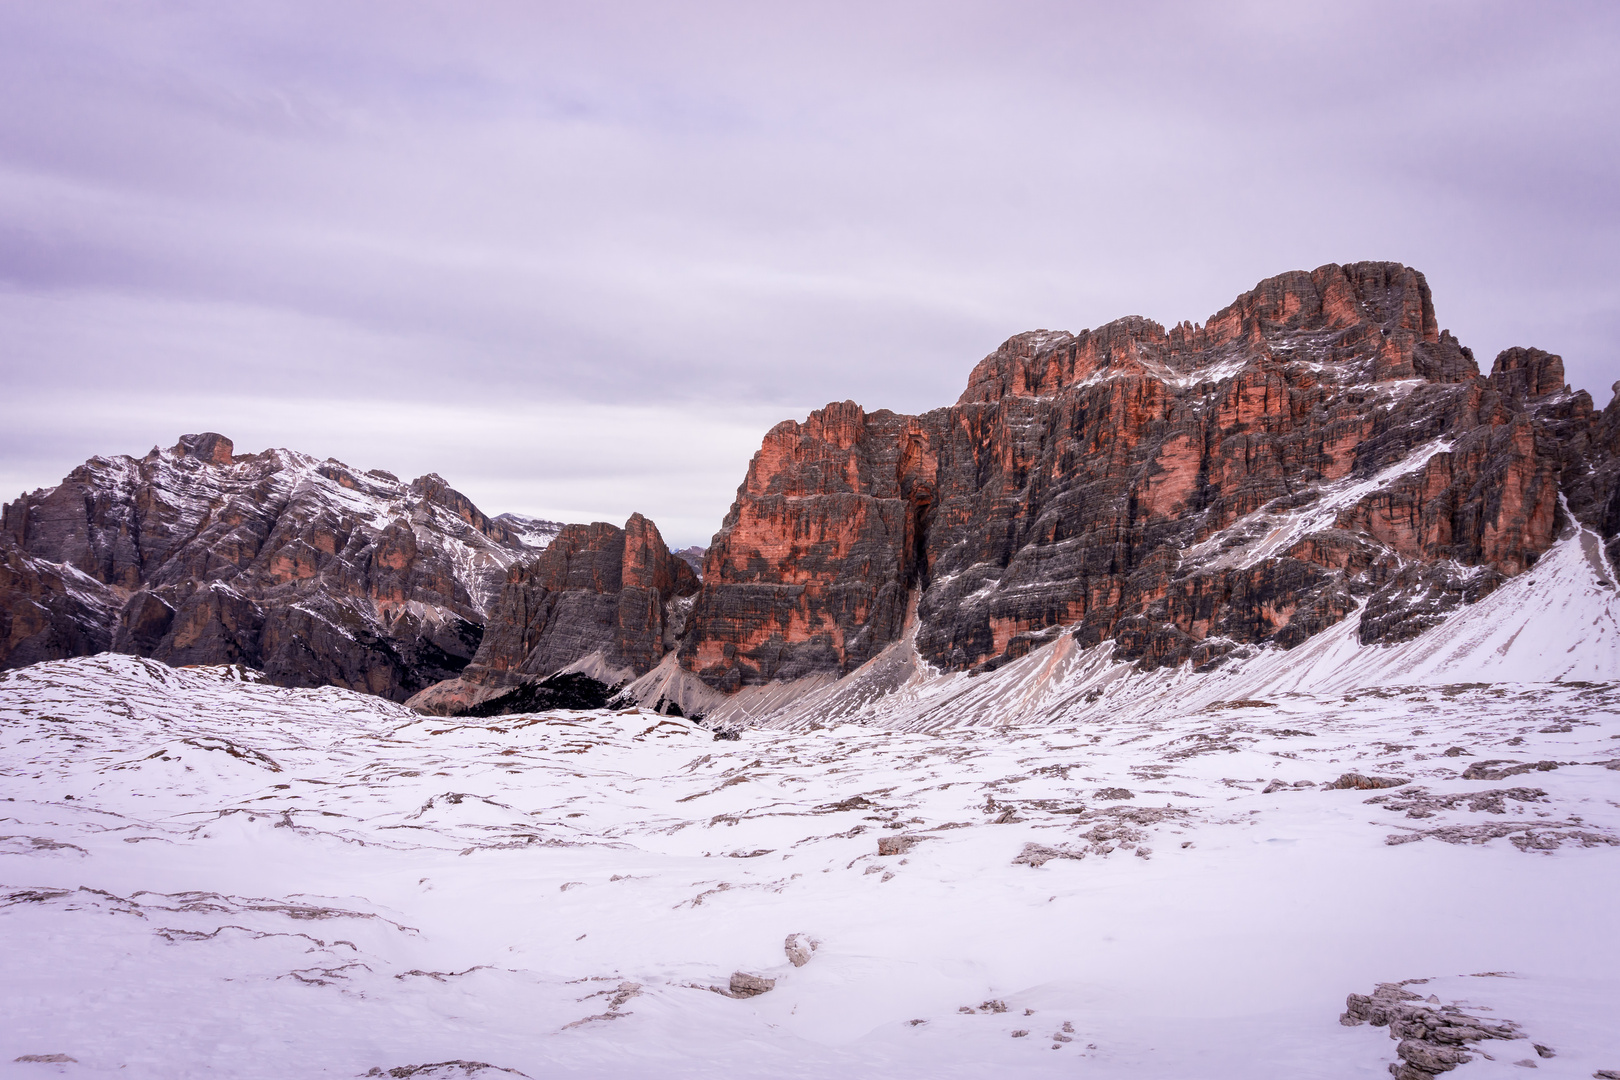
(608, 601)
(307, 569)
(1528, 373)
(1388, 295)
(209, 447)
(1316, 446)
(1362, 323)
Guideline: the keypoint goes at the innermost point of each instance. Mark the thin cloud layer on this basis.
(335, 225)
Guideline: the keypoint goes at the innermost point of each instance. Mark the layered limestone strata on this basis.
(1318, 445)
(306, 569)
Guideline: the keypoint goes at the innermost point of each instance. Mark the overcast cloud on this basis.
(578, 258)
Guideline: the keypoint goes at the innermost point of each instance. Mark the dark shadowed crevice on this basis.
(921, 517)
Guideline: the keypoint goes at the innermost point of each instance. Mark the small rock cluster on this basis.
(1539, 834)
(1420, 803)
(617, 998)
(1040, 854)
(799, 948)
(1113, 828)
(1355, 781)
(995, 1005)
(438, 1070)
(1501, 769)
(1433, 1038)
(746, 985)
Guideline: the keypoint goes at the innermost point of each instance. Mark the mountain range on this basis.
(1318, 462)
(306, 569)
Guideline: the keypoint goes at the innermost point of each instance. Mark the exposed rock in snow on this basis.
(1433, 1038)
(224, 876)
(799, 948)
(746, 985)
(1357, 782)
(440, 1070)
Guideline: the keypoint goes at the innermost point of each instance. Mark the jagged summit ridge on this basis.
(1317, 447)
(1369, 321)
(306, 568)
(1318, 454)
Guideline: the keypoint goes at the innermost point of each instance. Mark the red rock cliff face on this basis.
(1589, 440)
(1185, 492)
(815, 559)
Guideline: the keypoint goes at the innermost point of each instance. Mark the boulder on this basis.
(799, 948)
(746, 985)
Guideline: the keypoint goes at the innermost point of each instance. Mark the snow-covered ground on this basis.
(205, 876)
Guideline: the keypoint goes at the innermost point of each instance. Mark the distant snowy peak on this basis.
(311, 570)
(693, 557)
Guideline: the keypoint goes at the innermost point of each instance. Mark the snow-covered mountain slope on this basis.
(205, 876)
(306, 569)
(1558, 621)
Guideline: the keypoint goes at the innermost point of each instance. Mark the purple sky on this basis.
(578, 258)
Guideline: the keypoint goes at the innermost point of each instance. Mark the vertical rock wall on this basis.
(596, 590)
(1317, 444)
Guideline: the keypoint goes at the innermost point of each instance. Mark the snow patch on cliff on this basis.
(1558, 621)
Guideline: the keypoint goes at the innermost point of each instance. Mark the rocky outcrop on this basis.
(1319, 445)
(1433, 1038)
(597, 589)
(305, 569)
(615, 599)
(49, 611)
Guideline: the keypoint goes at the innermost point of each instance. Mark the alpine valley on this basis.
(1226, 700)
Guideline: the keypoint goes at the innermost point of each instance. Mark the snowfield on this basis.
(201, 875)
